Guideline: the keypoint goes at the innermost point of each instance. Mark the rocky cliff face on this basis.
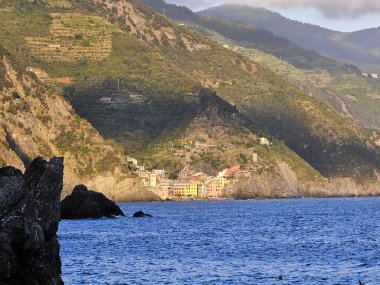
(29, 217)
(287, 185)
(37, 121)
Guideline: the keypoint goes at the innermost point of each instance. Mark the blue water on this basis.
(308, 241)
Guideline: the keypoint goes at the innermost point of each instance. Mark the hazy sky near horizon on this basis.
(342, 15)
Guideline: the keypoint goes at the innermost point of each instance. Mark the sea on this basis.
(301, 241)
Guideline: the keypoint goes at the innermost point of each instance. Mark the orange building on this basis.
(214, 188)
(233, 170)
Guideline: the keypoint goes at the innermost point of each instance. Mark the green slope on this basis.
(340, 86)
(36, 121)
(252, 36)
(167, 65)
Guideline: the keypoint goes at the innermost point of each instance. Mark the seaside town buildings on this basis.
(198, 185)
(194, 185)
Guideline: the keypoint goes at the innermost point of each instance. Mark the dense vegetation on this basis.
(350, 94)
(167, 65)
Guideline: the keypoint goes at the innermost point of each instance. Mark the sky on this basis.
(340, 15)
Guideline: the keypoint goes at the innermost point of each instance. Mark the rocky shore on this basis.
(85, 204)
(29, 217)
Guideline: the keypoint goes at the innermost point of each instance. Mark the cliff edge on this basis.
(29, 217)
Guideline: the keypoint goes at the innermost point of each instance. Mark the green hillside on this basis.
(153, 71)
(216, 136)
(341, 86)
(36, 121)
(352, 95)
(252, 36)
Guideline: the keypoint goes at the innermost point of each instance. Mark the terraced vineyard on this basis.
(59, 4)
(85, 44)
(74, 36)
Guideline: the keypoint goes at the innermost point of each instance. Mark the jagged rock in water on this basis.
(85, 204)
(141, 214)
(29, 217)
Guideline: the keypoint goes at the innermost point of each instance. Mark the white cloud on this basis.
(329, 8)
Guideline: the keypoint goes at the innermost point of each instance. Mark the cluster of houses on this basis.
(197, 185)
(121, 100)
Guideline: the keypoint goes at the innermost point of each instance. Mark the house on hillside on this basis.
(222, 173)
(202, 190)
(213, 188)
(164, 189)
(105, 100)
(132, 160)
(232, 171)
(136, 98)
(144, 177)
(264, 141)
(178, 187)
(191, 189)
(185, 188)
(152, 180)
(159, 172)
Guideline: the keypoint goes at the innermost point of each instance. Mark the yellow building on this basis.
(222, 182)
(153, 180)
(191, 189)
(185, 188)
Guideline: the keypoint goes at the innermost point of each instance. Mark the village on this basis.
(191, 185)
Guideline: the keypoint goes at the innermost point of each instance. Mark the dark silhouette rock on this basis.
(87, 204)
(29, 217)
(141, 214)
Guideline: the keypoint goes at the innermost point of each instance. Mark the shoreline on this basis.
(249, 199)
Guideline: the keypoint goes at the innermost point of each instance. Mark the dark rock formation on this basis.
(86, 204)
(141, 214)
(29, 217)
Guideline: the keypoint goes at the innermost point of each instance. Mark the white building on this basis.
(264, 141)
(159, 172)
(222, 173)
(153, 180)
(105, 100)
(132, 160)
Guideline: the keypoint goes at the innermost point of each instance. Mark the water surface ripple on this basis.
(308, 241)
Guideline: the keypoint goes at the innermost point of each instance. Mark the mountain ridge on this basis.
(153, 74)
(339, 45)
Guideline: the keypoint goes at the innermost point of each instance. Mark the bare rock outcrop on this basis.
(29, 217)
(141, 214)
(86, 204)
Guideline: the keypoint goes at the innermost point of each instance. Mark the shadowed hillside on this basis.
(147, 86)
(340, 86)
(37, 121)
